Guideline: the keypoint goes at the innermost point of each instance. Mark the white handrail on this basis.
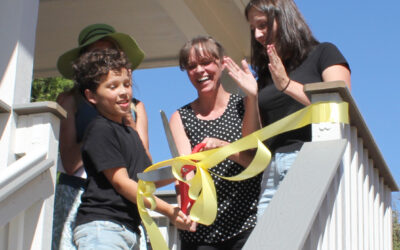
(297, 202)
(22, 171)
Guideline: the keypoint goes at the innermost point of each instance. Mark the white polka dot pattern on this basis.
(237, 201)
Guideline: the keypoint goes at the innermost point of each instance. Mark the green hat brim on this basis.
(125, 42)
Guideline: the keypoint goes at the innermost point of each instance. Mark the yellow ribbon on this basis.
(202, 187)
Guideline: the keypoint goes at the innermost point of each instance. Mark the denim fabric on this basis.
(273, 175)
(66, 203)
(102, 235)
(143, 238)
(66, 242)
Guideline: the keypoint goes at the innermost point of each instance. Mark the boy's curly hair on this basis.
(91, 66)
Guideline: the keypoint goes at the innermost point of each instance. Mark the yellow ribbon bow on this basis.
(204, 210)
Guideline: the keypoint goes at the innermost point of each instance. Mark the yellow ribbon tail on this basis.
(156, 238)
(256, 166)
(204, 210)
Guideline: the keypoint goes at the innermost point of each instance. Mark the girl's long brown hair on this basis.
(293, 39)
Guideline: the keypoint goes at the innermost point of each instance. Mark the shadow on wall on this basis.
(4, 117)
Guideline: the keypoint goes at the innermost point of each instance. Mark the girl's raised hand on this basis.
(277, 69)
(243, 77)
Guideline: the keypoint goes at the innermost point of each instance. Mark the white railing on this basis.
(352, 209)
(22, 171)
(337, 196)
(27, 184)
(349, 208)
(358, 212)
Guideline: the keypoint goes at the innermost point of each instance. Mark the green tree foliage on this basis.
(47, 89)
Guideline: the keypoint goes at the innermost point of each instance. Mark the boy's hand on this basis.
(180, 220)
(193, 226)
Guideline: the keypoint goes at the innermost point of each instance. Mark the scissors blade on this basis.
(168, 133)
(166, 172)
(157, 175)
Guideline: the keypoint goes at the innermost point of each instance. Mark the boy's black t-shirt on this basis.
(106, 145)
(275, 105)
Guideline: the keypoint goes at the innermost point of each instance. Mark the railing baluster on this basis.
(360, 196)
(366, 202)
(388, 220)
(371, 204)
(376, 208)
(347, 194)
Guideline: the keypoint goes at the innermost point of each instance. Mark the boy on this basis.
(113, 154)
(71, 173)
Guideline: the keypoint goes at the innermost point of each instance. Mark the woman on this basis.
(285, 56)
(215, 118)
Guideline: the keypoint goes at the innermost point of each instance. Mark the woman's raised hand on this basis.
(243, 77)
(277, 69)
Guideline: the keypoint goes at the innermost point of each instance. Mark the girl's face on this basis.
(204, 72)
(259, 24)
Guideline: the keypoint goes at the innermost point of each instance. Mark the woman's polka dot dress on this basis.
(237, 200)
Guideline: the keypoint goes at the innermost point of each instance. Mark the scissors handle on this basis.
(186, 202)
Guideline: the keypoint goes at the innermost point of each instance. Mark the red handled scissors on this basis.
(186, 202)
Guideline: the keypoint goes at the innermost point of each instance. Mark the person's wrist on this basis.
(251, 99)
(169, 212)
(286, 86)
(252, 95)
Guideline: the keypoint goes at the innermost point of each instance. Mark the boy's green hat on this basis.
(93, 33)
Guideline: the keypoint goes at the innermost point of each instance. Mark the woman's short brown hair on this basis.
(201, 45)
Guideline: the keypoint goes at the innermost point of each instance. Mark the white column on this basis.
(18, 19)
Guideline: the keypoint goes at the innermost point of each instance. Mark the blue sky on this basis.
(367, 34)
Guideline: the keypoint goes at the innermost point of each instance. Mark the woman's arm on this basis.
(70, 150)
(242, 158)
(337, 73)
(246, 81)
(281, 79)
(178, 133)
(142, 126)
(251, 120)
(181, 141)
(295, 89)
(119, 179)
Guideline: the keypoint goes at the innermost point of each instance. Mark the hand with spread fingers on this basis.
(246, 81)
(243, 77)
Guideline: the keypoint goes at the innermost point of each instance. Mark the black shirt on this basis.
(106, 145)
(274, 105)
